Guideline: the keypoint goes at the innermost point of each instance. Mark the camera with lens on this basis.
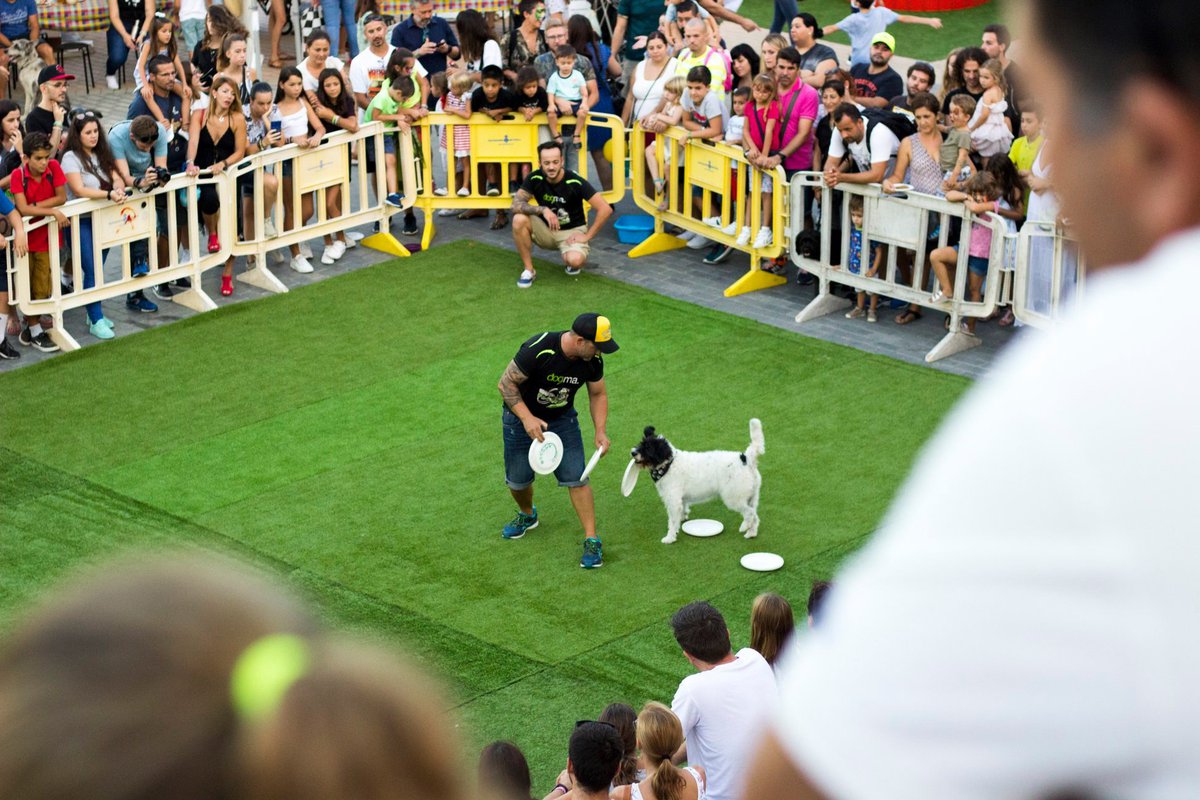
(162, 175)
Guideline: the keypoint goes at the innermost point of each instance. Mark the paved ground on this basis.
(678, 274)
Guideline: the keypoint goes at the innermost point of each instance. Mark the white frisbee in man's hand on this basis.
(630, 478)
(546, 455)
(762, 562)
(591, 465)
(702, 527)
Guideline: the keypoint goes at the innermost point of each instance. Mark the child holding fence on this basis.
(669, 113)
(854, 260)
(497, 101)
(981, 196)
(703, 118)
(733, 137)
(38, 187)
(532, 100)
(762, 129)
(457, 103)
(386, 107)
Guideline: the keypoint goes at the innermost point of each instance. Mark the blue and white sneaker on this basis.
(593, 553)
(140, 269)
(138, 302)
(521, 523)
(394, 199)
(526, 279)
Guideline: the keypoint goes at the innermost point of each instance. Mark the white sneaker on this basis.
(730, 229)
(350, 243)
(269, 230)
(184, 255)
(763, 239)
(275, 257)
(744, 237)
(339, 249)
(327, 256)
(448, 212)
(686, 236)
(112, 82)
(440, 191)
(712, 222)
(305, 250)
(464, 192)
(698, 242)
(301, 265)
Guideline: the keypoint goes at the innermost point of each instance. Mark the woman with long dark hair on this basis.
(217, 139)
(745, 64)
(231, 62)
(317, 59)
(12, 133)
(92, 172)
(300, 126)
(335, 108)
(525, 40)
(477, 45)
(582, 37)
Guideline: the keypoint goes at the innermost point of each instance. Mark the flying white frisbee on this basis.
(546, 455)
(630, 478)
(702, 527)
(591, 465)
(762, 562)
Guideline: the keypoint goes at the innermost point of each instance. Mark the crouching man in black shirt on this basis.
(539, 389)
(558, 221)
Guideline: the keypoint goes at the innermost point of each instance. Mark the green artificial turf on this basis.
(346, 437)
(959, 28)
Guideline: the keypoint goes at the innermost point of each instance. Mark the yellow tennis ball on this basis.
(608, 150)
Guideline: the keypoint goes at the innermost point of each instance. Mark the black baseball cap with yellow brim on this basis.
(597, 330)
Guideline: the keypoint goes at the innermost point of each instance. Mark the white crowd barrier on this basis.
(904, 222)
(167, 217)
(1050, 274)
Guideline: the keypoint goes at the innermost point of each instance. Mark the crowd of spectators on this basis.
(189, 677)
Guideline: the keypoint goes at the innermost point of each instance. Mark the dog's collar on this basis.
(656, 473)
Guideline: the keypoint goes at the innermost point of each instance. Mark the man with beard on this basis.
(875, 84)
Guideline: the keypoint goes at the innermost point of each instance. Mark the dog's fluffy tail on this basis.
(757, 445)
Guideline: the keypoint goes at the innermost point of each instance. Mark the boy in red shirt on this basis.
(39, 185)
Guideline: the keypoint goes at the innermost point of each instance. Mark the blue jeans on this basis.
(517, 472)
(339, 14)
(88, 266)
(785, 12)
(118, 52)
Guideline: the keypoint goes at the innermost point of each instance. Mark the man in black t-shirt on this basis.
(49, 115)
(558, 221)
(539, 387)
(875, 84)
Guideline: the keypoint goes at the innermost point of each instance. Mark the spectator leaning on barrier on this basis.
(38, 188)
(856, 144)
(428, 36)
(50, 112)
(724, 706)
(699, 54)
(703, 118)
(558, 221)
(139, 150)
(11, 223)
(920, 79)
(875, 84)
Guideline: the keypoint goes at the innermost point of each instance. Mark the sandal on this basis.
(473, 213)
(907, 316)
(501, 220)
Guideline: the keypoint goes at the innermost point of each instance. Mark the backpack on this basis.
(897, 122)
(728, 66)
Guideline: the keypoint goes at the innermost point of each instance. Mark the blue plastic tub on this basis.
(634, 228)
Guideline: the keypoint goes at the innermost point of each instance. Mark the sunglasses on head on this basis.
(85, 115)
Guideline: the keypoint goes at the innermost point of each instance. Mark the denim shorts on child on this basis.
(389, 144)
(517, 472)
(976, 264)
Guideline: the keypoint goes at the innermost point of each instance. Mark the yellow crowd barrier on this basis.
(509, 144)
(169, 216)
(710, 173)
(912, 222)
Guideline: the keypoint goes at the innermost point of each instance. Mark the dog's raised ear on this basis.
(649, 432)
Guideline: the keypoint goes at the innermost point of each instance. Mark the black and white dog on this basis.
(684, 478)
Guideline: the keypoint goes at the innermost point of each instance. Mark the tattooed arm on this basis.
(521, 204)
(510, 390)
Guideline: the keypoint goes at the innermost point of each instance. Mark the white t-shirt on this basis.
(724, 711)
(193, 9)
(882, 147)
(976, 655)
(310, 81)
(367, 72)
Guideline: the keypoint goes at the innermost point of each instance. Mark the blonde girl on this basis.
(659, 736)
(990, 133)
(461, 84)
(668, 113)
(759, 139)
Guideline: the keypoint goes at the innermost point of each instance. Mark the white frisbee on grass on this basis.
(591, 465)
(546, 455)
(762, 562)
(702, 527)
(630, 478)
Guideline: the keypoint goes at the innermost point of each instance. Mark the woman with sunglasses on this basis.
(217, 139)
(92, 173)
